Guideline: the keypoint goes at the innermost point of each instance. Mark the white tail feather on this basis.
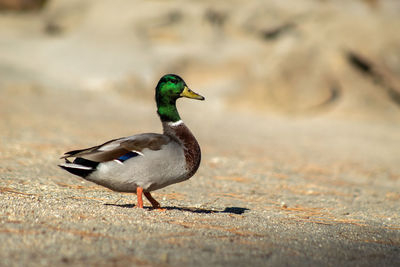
(76, 166)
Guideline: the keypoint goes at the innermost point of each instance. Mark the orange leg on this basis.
(153, 202)
(139, 192)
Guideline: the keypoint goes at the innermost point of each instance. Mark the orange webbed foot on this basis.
(153, 202)
(139, 192)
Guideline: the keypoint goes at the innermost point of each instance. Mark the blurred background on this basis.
(305, 58)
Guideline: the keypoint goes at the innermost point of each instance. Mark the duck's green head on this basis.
(168, 90)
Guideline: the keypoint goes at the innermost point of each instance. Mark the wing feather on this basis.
(116, 148)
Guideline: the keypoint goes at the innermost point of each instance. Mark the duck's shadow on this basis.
(230, 210)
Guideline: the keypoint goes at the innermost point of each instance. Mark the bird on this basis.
(145, 162)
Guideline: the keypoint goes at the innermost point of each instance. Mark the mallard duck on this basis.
(145, 162)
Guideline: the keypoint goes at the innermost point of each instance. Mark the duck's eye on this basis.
(174, 81)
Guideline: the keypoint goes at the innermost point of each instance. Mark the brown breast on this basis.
(192, 152)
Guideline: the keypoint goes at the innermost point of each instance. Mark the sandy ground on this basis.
(270, 191)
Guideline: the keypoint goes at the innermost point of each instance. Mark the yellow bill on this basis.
(190, 94)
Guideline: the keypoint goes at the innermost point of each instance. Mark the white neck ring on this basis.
(174, 124)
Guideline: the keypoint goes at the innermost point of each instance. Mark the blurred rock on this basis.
(21, 5)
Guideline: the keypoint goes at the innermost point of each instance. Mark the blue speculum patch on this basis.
(127, 156)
